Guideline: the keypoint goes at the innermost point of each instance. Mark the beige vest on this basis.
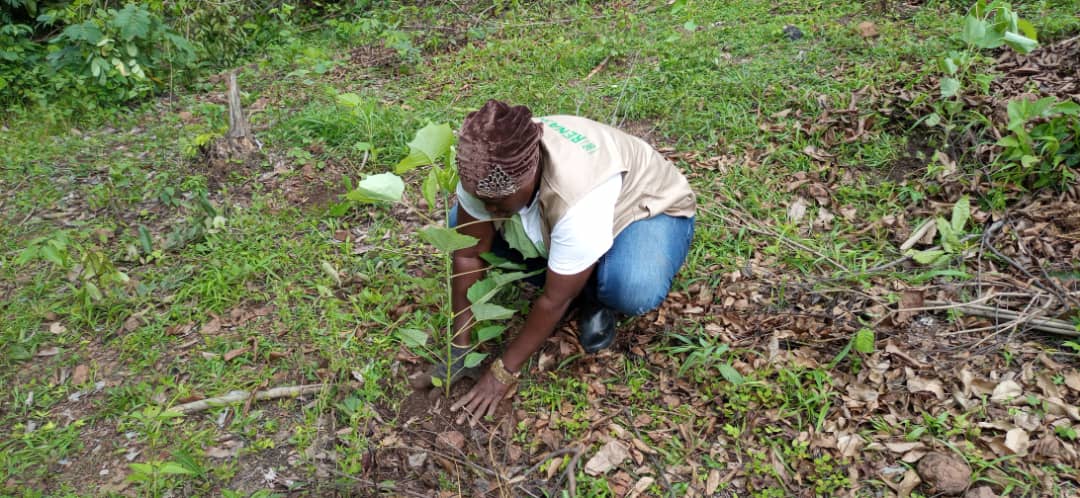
(579, 154)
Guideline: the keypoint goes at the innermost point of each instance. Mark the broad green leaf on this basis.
(93, 291)
(932, 120)
(514, 233)
(473, 359)
(484, 334)
(1027, 29)
(27, 255)
(482, 291)
(974, 31)
(447, 240)
(731, 375)
(349, 99)
(1020, 43)
(431, 142)
(173, 468)
(949, 87)
(436, 381)
(412, 338)
(488, 311)
(430, 188)
(949, 237)
(864, 341)
(384, 187)
(501, 262)
(1068, 107)
(145, 241)
(961, 212)
(928, 257)
(690, 26)
(949, 66)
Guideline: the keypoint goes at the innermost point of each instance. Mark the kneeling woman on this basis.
(612, 217)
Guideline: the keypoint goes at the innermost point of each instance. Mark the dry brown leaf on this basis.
(641, 446)
(1006, 391)
(944, 473)
(904, 447)
(911, 298)
(922, 384)
(80, 375)
(712, 482)
(211, 327)
(1017, 441)
(906, 486)
(553, 467)
(867, 29)
(57, 328)
(47, 352)
(641, 487)
(451, 439)
(797, 210)
(236, 352)
(849, 444)
(1072, 379)
(611, 455)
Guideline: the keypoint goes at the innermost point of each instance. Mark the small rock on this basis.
(981, 492)
(793, 33)
(451, 439)
(945, 474)
(417, 460)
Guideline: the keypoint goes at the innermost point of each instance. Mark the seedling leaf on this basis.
(384, 187)
(864, 341)
(431, 143)
(474, 359)
(514, 233)
(430, 188)
(447, 240)
(488, 311)
(484, 334)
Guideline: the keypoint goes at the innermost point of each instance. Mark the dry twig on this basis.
(240, 395)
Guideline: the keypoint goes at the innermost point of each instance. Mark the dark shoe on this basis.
(596, 326)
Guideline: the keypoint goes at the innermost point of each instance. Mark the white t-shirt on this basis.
(579, 239)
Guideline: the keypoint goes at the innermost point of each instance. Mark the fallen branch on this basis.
(1051, 325)
(240, 395)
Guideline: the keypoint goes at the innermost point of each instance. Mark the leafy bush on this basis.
(127, 53)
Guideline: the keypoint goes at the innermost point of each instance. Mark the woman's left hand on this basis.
(483, 399)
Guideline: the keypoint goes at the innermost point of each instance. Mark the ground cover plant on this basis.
(882, 298)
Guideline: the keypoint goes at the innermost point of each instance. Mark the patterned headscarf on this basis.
(498, 149)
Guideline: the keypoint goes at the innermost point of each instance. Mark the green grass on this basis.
(705, 77)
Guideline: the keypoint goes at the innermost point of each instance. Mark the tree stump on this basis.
(238, 146)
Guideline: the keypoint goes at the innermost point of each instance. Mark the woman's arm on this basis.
(468, 267)
(547, 310)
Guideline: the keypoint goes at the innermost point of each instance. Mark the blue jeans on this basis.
(635, 275)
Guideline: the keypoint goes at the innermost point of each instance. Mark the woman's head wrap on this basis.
(498, 149)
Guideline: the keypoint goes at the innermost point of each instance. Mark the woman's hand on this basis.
(483, 399)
